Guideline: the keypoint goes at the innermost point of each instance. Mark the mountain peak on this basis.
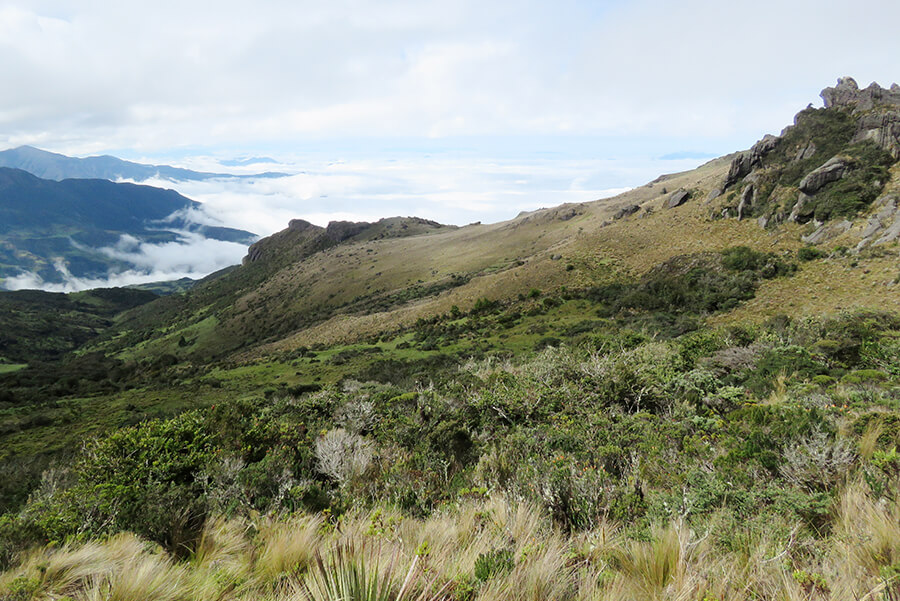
(847, 94)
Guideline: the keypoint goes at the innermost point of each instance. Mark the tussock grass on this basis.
(379, 555)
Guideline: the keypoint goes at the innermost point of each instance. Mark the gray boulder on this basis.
(626, 211)
(678, 198)
(805, 153)
(827, 231)
(802, 199)
(834, 169)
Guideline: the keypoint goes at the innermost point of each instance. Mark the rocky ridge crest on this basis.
(831, 164)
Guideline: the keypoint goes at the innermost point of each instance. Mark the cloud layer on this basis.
(449, 189)
(192, 256)
(93, 76)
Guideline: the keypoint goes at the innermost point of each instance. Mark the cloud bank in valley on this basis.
(446, 188)
(191, 256)
(452, 188)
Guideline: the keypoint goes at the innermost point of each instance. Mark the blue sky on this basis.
(456, 110)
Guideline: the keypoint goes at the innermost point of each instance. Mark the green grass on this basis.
(6, 368)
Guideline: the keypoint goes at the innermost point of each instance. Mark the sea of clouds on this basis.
(450, 189)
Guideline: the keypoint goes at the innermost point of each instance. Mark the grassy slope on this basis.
(367, 295)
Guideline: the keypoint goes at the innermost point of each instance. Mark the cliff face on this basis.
(831, 163)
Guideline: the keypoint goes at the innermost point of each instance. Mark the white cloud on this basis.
(192, 256)
(448, 188)
(90, 76)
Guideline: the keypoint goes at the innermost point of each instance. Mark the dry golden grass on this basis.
(510, 258)
(435, 558)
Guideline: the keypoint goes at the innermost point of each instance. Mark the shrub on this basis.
(494, 563)
(343, 456)
(810, 253)
(818, 463)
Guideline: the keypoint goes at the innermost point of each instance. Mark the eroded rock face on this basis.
(805, 153)
(338, 231)
(802, 199)
(747, 198)
(828, 231)
(878, 109)
(846, 94)
(298, 225)
(882, 128)
(834, 169)
(743, 163)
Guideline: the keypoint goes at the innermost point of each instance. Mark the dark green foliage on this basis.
(483, 306)
(792, 361)
(146, 479)
(698, 284)
(42, 326)
(856, 190)
(810, 253)
(494, 563)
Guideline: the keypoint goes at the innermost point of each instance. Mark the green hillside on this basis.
(688, 391)
(44, 223)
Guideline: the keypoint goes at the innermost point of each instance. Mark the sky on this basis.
(453, 110)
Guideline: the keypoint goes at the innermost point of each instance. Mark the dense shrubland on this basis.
(728, 463)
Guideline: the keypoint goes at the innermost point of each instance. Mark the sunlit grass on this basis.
(403, 559)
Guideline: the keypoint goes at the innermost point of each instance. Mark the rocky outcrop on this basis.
(798, 207)
(846, 94)
(806, 152)
(828, 231)
(744, 162)
(884, 225)
(832, 170)
(298, 233)
(747, 198)
(626, 211)
(882, 128)
(878, 109)
(299, 225)
(678, 198)
(338, 231)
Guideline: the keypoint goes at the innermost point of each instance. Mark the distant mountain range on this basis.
(50, 165)
(43, 222)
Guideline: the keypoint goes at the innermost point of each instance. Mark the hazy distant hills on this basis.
(44, 221)
(50, 165)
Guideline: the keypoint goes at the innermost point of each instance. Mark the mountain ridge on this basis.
(351, 287)
(55, 166)
(42, 220)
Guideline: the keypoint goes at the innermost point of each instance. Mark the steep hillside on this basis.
(688, 391)
(45, 221)
(302, 287)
